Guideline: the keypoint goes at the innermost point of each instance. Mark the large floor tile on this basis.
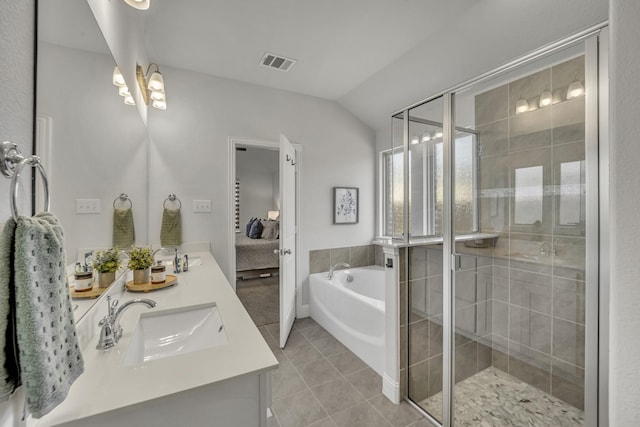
(286, 381)
(346, 362)
(363, 415)
(304, 323)
(398, 415)
(367, 381)
(337, 395)
(302, 354)
(318, 372)
(298, 410)
(329, 346)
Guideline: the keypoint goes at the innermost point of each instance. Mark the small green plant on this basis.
(140, 258)
(107, 261)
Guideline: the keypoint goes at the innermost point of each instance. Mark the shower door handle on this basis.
(456, 262)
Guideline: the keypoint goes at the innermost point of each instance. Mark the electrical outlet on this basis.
(87, 206)
(202, 205)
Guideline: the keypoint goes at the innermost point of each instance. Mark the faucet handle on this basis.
(111, 305)
(106, 334)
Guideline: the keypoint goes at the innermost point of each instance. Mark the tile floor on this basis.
(321, 383)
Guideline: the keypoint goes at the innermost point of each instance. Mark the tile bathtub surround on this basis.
(321, 260)
(320, 383)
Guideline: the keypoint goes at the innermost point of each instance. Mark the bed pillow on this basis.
(271, 230)
(249, 224)
(256, 229)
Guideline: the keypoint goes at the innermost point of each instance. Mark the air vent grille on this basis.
(271, 60)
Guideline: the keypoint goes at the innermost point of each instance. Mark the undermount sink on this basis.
(168, 333)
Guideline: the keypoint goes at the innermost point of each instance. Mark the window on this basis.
(426, 189)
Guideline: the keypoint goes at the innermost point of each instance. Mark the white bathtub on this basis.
(353, 312)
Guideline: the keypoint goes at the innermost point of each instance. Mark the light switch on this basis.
(202, 205)
(87, 206)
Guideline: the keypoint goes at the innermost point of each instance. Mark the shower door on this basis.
(501, 235)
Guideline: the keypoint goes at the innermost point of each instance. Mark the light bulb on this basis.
(426, 137)
(575, 89)
(438, 134)
(124, 91)
(158, 96)
(545, 99)
(414, 140)
(522, 106)
(160, 105)
(129, 100)
(156, 82)
(118, 78)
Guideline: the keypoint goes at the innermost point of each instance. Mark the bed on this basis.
(256, 254)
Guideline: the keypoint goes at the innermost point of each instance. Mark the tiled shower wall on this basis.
(538, 269)
(519, 301)
(321, 260)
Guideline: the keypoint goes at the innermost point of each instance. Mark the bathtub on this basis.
(352, 310)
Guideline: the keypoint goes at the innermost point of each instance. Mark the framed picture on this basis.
(345, 205)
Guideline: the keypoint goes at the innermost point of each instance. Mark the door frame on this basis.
(231, 233)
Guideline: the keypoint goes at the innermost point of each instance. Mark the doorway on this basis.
(264, 234)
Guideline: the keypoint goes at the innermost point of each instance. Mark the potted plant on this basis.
(140, 259)
(106, 263)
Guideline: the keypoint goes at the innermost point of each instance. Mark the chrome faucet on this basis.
(111, 331)
(153, 254)
(336, 265)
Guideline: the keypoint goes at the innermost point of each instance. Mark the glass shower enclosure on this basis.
(491, 190)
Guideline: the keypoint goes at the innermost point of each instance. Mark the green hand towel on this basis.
(124, 234)
(50, 360)
(171, 229)
(9, 369)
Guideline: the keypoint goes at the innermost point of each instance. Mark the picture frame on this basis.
(346, 209)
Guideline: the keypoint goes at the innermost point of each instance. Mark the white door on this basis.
(287, 238)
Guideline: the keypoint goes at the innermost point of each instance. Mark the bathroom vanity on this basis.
(226, 383)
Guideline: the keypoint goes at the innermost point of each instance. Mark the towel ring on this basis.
(123, 198)
(172, 198)
(33, 161)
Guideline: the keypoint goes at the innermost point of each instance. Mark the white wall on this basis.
(189, 155)
(258, 172)
(624, 125)
(16, 120)
(98, 144)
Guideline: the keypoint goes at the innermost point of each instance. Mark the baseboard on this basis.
(391, 389)
(303, 311)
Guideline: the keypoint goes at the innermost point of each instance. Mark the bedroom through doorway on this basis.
(257, 227)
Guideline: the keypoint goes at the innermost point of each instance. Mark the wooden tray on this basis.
(149, 287)
(93, 293)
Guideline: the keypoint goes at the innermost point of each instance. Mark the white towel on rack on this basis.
(50, 360)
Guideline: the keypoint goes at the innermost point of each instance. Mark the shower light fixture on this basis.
(153, 90)
(123, 90)
(575, 89)
(138, 4)
(545, 98)
(522, 106)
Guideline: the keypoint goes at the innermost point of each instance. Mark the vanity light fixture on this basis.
(438, 134)
(522, 106)
(414, 140)
(426, 137)
(545, 98)
(575, 89)
(153, 89)
(138, 4)
(123, 90)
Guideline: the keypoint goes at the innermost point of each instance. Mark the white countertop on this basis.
(106, 385)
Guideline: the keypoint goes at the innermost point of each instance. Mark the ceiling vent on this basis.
(271, 60)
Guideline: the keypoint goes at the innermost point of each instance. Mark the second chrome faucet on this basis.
(111, 331)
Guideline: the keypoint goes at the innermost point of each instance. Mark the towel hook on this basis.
(172, 198)
(123, 198)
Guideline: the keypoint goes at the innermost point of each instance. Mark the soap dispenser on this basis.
(176, 263)
(185, 264)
